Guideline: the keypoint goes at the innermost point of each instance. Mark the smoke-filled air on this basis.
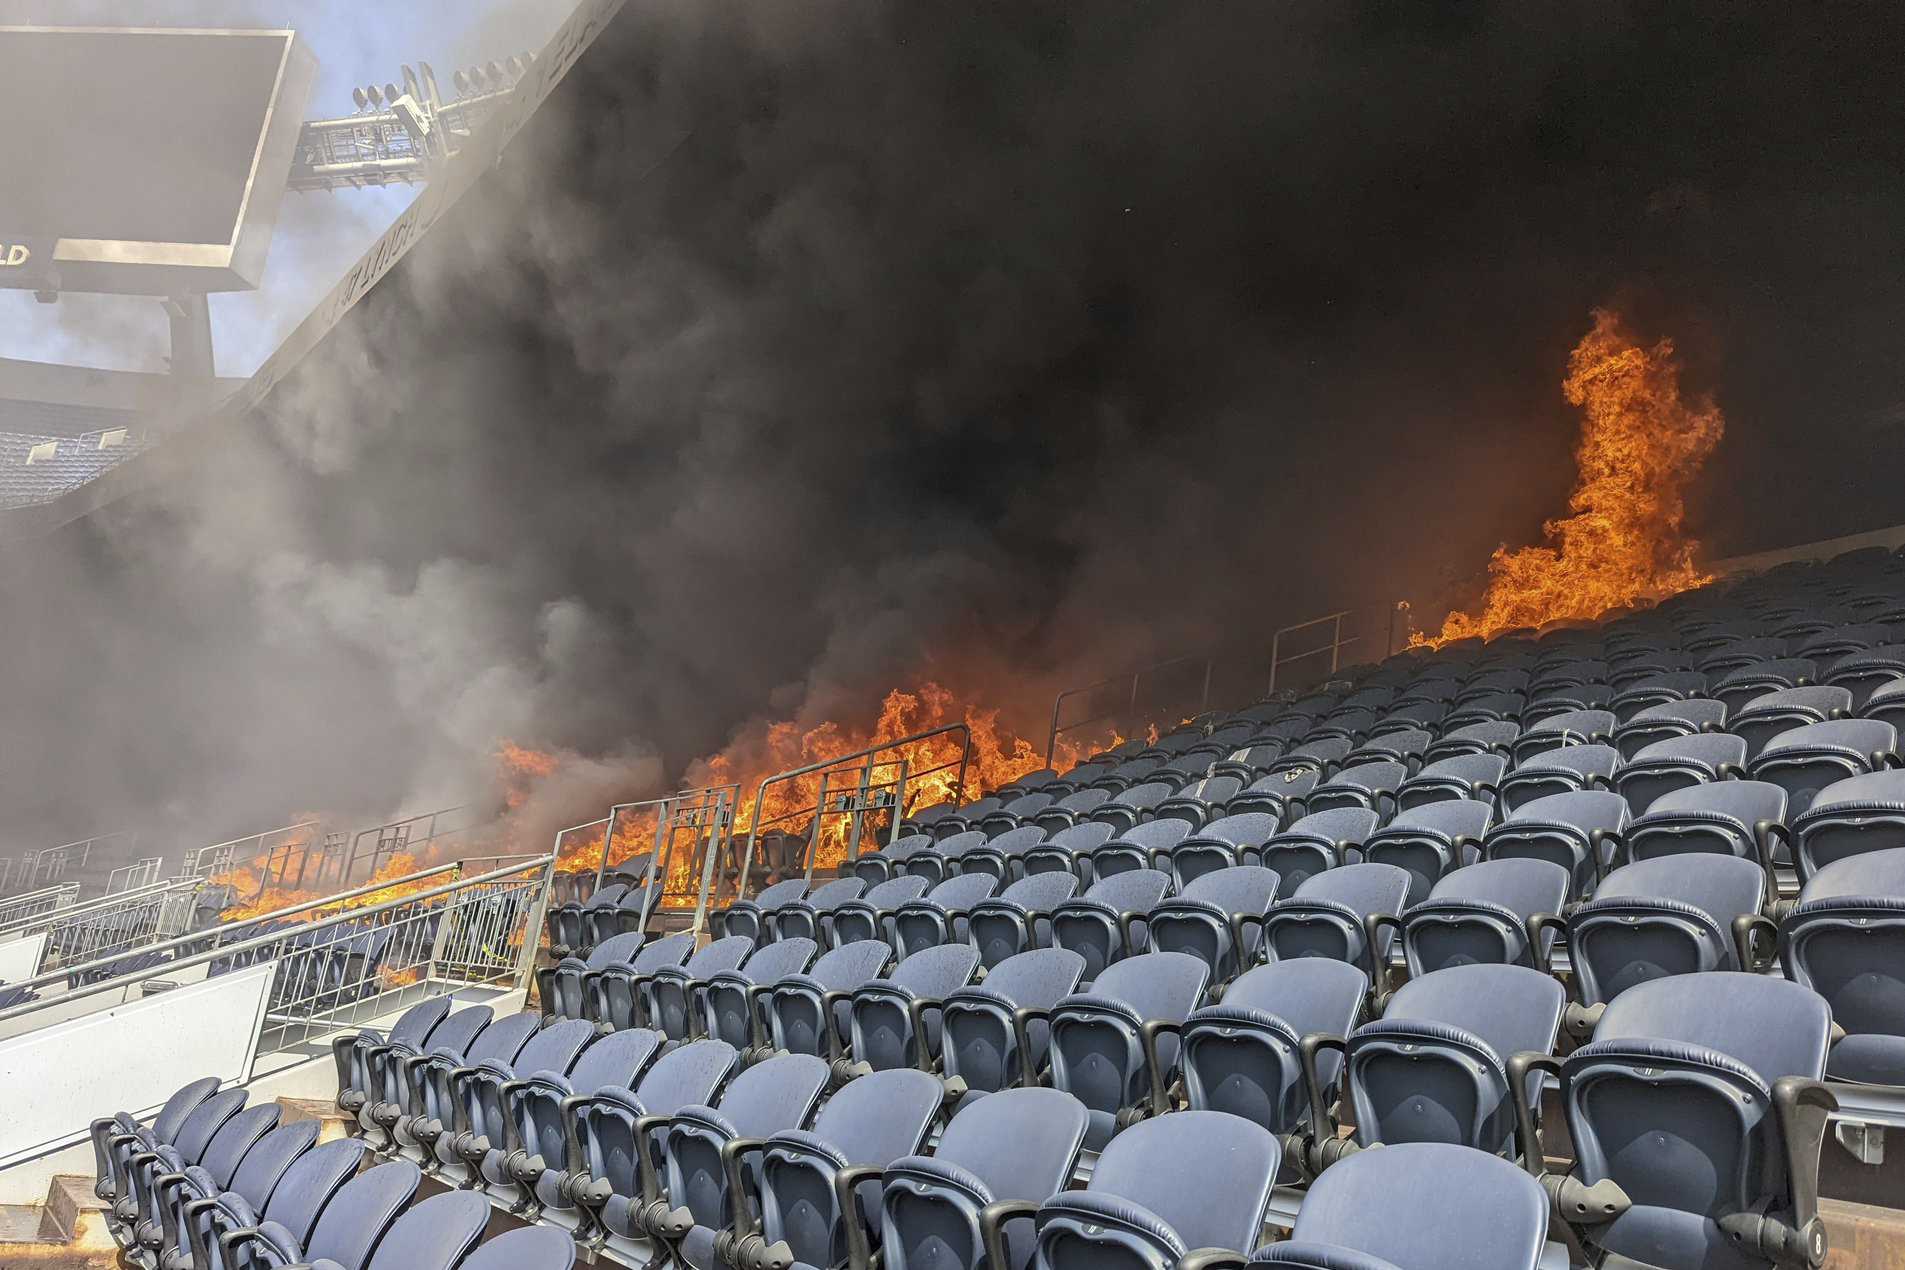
(810, 373)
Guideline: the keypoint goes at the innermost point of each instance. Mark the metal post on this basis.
(707, 869)
(538, 911)
(858, 818)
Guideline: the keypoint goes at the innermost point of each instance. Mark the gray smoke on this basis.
(1007, 343)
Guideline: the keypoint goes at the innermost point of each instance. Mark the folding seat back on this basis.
(213, 1172)
(1199, 802)
(1805, 760)
(1218, 918)
(1241, 1055)
(1740, 688)
(729, 1005)
(1764, 717)
(1663, 689)
(351, 1052)
(996, 1034)
(539, 1107)
(1735, 817)
(1676, 763)
(435, 1099)
(117, 1138)
(1095, 924)
(808, 1013)
(965, 818)
(1003, 856)
(143, 1159)
(1561, 771)
(1463, 776)
(1418, 1204)
(1133, 805)
(1279, 793)
(347, 1228)
(1402, 744)
(614, 989)
(1845, 939)
(1114, 1046)
(1549, 701)
(1318, 841)
(1428, 840)
(1013, 1147)
(747, 917)
(668, 996)
(482, 1107)
(1144, 846)
(1671, 719)
(1672, 915)
(1366, 785)
(1496, 912)
(1682, 1101)
(884, 865)
(1225, 842)
(530, 1248)
(1334, 915)
(1842, 641)
(303, 1192)
(1126, 774)
(871, 916)
(1249, 762)
(1193, 1180)
(566, 922)
(895, 1021)
(1496, 736)
(566, 987)
(1578, 831)
(1434, 1068)
(1720, 654)
(1321, 750)
(1886, 703)
(1063, 850)
(1850, 817)
(1488, 705)
(1019, 809)
(1570, 727)
(938, 863)
(433, 1234)
(806, 918)
(870, 1123)
(263, 1168)
(1019, 918)
(939, 916)
(615, 1128)
(1071, 809)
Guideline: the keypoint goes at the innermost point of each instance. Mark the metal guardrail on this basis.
(388, 840)
(1129, 715)
(131, 877)
(49, 864)
(873, 795)
(115, 925)
(21, 910)
(267, 854)
(1332, 639)
(341, 969)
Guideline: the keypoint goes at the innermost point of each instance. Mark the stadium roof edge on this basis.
(551, 65)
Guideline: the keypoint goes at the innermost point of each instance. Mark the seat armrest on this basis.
(1804, 1106)
(1322, 1124)
(1148, 1033)
(1527, 1135)
(733, 1150)
(859, 1255)
(1022, 1030)
(645, 1156)
(1749, 930)
(992, 1220)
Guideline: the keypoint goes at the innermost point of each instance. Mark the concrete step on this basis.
(1863, 1237)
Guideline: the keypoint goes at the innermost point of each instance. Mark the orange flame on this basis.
(257, 902)
(1623, 542)
(930, 771)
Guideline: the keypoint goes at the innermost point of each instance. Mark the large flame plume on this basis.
(931, 770)
(1623, 541)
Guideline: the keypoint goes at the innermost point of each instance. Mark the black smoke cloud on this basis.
(1012, 342)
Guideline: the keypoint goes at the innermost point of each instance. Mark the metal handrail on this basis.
(1131, 708)
(232, 951)
(351, 858)
(43, 903)
(1336, 644)
(205, 859)
(99, 903)
(189, 937)
(760, 793)
(33, 862)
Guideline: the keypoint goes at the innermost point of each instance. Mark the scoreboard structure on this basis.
(145, 161)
